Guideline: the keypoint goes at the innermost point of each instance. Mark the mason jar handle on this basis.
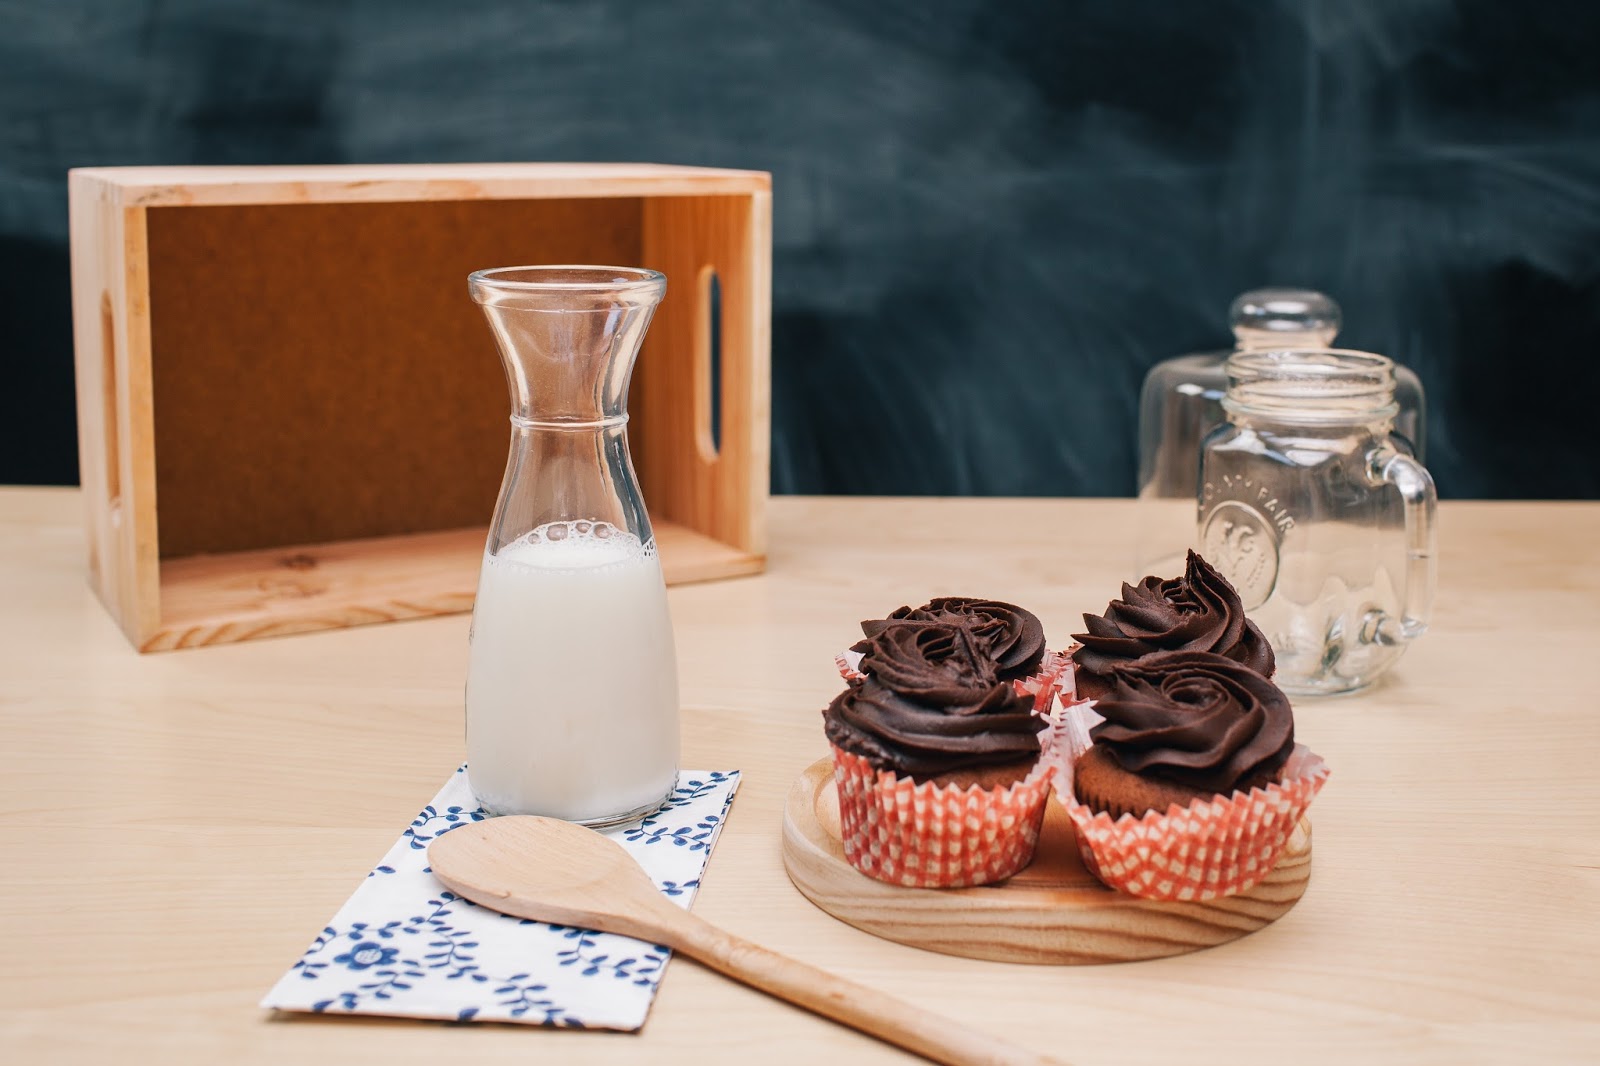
(1387, 465)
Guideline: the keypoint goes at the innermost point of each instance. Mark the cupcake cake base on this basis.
(1053, 912)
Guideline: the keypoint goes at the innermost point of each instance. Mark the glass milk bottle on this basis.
(572, 686)
(1182, 401)
(1317, 512)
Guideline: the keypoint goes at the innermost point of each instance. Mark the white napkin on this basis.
(403, 945)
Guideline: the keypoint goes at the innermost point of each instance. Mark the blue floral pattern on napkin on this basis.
(402, 945)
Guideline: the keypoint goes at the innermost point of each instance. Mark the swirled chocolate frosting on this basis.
(1196, 718)
(932, 703)
(1015, 637)
(1199, 611)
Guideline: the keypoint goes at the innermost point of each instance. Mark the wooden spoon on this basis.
(554, 871)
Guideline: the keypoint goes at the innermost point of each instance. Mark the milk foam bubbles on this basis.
(572, 685)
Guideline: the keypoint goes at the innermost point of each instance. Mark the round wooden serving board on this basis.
(1052, 912)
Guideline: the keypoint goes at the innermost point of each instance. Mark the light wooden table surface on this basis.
(182, 824)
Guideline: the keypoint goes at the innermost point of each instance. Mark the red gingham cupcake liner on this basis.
(1071, 728)
(1067, 674)
(1055, 670)
(1211, 849)
(937, 836)
(849, 664)
(1047, 683)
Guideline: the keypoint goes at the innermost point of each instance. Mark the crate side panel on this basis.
(112, 382)
(721, 494)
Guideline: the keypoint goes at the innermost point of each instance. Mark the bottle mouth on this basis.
(567, 287)
(1310, 384)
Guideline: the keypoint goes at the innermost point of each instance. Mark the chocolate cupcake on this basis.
(937, 760)
(1014, 637)
(1192, 783)
(1182, 726)
(1199, 611)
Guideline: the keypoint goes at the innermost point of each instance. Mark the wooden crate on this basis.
(291, 415)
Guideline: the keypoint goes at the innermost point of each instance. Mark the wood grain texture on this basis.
(116, 453)
(1053, 912)
(287, 357)
(553, 871)
(220, 599)
(182, 825)
(723, 492)
(375, 183)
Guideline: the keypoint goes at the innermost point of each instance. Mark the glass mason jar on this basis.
(1319, 514)
(1182, 401)
(572, 685)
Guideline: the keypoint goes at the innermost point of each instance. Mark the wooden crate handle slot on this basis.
(708, 365)
(108, 398)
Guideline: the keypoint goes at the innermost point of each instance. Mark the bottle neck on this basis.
(568, 338)
(569, 425)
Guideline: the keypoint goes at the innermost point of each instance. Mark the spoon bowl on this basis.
(551, 871)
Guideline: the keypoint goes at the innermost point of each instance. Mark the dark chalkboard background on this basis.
(990, 218)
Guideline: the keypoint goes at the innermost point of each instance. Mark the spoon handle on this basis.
(930, 1035)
